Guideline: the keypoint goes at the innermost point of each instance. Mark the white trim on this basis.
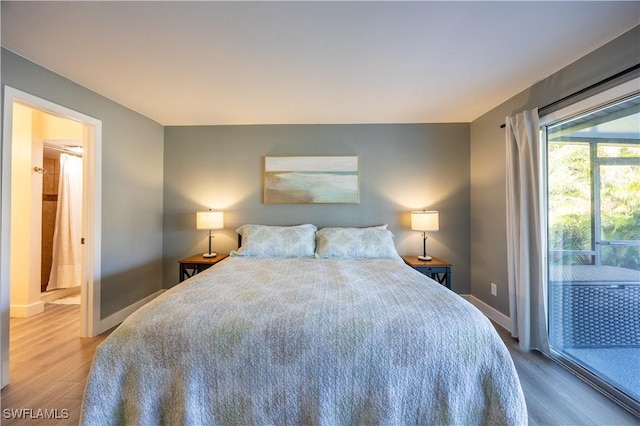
(90, 288)
(50, 296)
(23, 311)
(115, 319)
(621, 91)
(490, 312)
(90, 294)
(5, 242)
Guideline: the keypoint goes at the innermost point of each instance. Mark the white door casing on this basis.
(92, 208)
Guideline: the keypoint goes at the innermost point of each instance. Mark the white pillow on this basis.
(376, 227)
(355, 243)
(277, 241)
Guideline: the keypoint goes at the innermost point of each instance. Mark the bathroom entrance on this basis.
(46, 210)
(61, 256)
(30, 124)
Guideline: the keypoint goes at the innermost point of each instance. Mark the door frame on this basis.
(92, 210)
(620, 91)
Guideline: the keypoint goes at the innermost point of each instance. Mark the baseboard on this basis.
(489, 311)
(23, 311)
(59, 293)
(115, 319)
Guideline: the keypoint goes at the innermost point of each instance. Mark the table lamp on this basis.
(209, 220)
(425, 221)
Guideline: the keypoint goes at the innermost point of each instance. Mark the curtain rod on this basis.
(61, 149)
(586, 89)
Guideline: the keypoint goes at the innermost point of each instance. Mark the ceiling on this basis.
(205, 63)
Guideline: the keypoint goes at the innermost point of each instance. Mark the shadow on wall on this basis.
(124, 289)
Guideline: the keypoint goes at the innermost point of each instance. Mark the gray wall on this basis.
(402, 167)
(488, 157)
(132, 160)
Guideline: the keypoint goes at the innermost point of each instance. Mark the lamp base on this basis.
(207, 255)
(425, 257)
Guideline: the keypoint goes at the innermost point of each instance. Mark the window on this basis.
(593, 256)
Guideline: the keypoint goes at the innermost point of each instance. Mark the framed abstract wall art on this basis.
(311, 180)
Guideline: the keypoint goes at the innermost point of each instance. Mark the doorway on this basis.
(46, 216)
(11, 264)
(61, 207)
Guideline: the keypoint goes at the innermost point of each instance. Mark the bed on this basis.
(340, 332)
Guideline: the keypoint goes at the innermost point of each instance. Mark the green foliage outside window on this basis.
(571, 220)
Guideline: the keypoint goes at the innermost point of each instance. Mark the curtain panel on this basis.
(66, 269)
(525, 239)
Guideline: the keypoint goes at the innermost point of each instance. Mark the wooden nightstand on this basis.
(189, 266)
(435, 268)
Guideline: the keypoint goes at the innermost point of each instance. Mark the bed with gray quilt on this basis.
(333, 340)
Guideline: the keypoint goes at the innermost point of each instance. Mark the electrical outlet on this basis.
(494, 289)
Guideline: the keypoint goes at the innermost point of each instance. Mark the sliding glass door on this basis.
(593, 186)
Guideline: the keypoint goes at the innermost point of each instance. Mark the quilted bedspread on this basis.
(305, 341)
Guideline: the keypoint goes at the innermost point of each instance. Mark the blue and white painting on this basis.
(312, 179)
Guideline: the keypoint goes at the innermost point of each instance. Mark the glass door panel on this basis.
(570, 201)
(593, 182)
(620, 215)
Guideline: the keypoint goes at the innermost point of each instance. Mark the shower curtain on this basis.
(66, 268)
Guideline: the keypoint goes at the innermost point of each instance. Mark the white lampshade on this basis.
(425, 221)
(209, 220)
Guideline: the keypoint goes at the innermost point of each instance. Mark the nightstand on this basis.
(192, 265)
(435, 268)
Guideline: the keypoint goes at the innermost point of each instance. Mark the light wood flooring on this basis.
(50, 363)
(556, 396)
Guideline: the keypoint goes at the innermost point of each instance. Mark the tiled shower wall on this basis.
(49, 207)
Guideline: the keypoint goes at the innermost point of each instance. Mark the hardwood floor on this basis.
(555, 396)
(50, 363)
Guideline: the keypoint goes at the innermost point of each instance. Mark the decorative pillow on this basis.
(355, 243)
(277, 241)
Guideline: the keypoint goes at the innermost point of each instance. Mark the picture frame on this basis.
(311, 180)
